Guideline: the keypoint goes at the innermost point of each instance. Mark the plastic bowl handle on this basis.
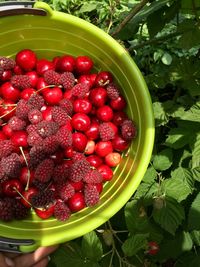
(14, 245)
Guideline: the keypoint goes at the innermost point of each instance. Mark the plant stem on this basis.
(132, 13)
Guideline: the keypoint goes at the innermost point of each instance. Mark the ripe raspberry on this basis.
(22, 109)
(106, 131)
(50, 144)
(1, 72)
(6, 148)
(67, 80)
(67, 105)
(44, 170)
(35, 116)
(78, 170)
(65, 190)
(80, 90)
(6, 209)
(3, 176)
(47, 128)
(64, 137)
(52, 77)
(43, 198)
(128, 130)
(39, 185)
(61, 173)
(7, 63)
(11, 165)
(93, 177)
(61, 211)
(16, 124)
(27, 156)
(59, 115)
(34, 139)
(77, 156)
(21, 81)
(91, 195)
(112, 91)
(37, 154)
(36, 101)
(20, 211)
(31, 128)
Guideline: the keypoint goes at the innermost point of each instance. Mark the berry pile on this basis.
(63, 130)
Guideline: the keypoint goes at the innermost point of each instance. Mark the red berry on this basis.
(113, 159)
(7, 130)
(7, 110)
(83, 64)
(26, 59)
(118, 103)
(91, 195)
(103, 78)
(89, 149)
(33, 77)
(19, 138)
(120, 144)
(2, 136)
(6, 75)
(27, 93)
(11, 187)
(98, 96)
(92, 132)
(47, 113)
(78, 186)
(65, 63)
(119, 117)
(105, 113)
(79, 141)
(106, 172)
(103, 148)
(41, 84)
(27, 195)
(80, 122)
(26, 175)
(45, 213)
(82, 106)
(76, 202)
(53, 95)
(9, 92)
(43, 65)
(153, 248)
(94, 160)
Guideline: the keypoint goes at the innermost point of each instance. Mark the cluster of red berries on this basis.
(63, 130)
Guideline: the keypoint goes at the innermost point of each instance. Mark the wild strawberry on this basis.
(44, 170)
(67, 80)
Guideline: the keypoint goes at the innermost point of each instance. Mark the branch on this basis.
(132, 13)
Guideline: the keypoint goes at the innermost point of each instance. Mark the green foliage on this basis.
(163, 39)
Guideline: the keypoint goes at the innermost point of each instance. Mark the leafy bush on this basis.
(163, 38)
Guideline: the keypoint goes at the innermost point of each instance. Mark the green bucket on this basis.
(50, 33)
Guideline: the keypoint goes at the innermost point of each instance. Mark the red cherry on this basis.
(103, 78)
(89, 149)
(45, 213)
(105, 113)
(7, 111)
(106, 172)
(103, 148)
(44, 65)
(77, 185)
(120, 144)
(27, 195)
(10, 187)
(6, 76)
(2, 136)
(82, 106)
(26, 59)
(65, 63)
(46, 113)
(55, 60)
(53, 95)
(113, 159)
(92, 132)
(57, 157)
(98, 96)
(153, 248)
(79, 141)
(18, 70)
(99, 187)
(19, 138)
(88, 79)
(27, 93)
(67, 125)
(10, 92)
(80, 122)
(69, 152)
(119, 117)
(26, 174)
(7, 130)
(68, 94)
(83, 64)
(33, 78)
(95, 161)
(76, 202)
(41, 84)
(118, 103)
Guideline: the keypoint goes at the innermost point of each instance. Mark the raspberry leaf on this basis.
(134, 244)
(163, 160)
(194, 214)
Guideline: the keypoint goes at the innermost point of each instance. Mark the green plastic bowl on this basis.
(58, 33)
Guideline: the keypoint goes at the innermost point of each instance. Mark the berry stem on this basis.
(29, 174)
(22, 196)
(8, 113)
(48, 86)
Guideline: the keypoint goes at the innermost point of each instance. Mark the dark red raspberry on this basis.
(61, 211)
(1, 72)
(43, 198)
(36, 101)
(22, 109)
(61, 173)
(52, 77)
(77, 156)
(47, 128)
(59, 115)
(6, 209)
(93, 177)
(80, 90)
(44, 170)
(34, 139)
(67, 105)
(128, 130)
(7, 63)
(91, 195)
(16, 124)
(50, 144)
(21, 81)
(64, 137)
(65, 190)
(40, 186)
(6, 148)
(106, 131)
(37, 154)
(11, 165)
(31, 128)
(67, 80)
(112, 91)
(35, 116)
(20, 211)
(78, 170)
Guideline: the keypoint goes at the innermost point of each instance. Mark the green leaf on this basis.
(134, 244)
(190, 259)
(88, 7)
(170, 216)
(196, 173)
(196, 152)
(160, 115)
(195, 235)
(190, 38)
(163, 160)
(155, 23)
(92, 246)
(166, 58)
(187, 6)
(194, 214)
(146, 190)
(150, 175)
(193, 114)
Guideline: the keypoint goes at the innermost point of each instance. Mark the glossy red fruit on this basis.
(83, 64)
(82, 106)
(103, 78)
(79, 141)
(7, 74)
(113, 159)
(119, 144)
(103, 148)
(153, 248)
(18, 70)
(80, 122)
(19, 138)
(33, 76)
(27, 93)
(65, 63)
(98, 96)
(95, 160)
(26, 175)
(92, 132)
(99, 187)
(53, 95)
(2, 136)
(57, 157)
(46, 113)
(106, 172)
(7, 111)
(45, 213)
(12, 187)
(41, 84)
(44, 65)
(69, 152)
(25, 200)
(7, 130)
(119, 117)
(76, 202)
(89, 149)
(78, 186)
(118, 103)
(105, 113)
(26, 59)
(89, 79)
(9, 92)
